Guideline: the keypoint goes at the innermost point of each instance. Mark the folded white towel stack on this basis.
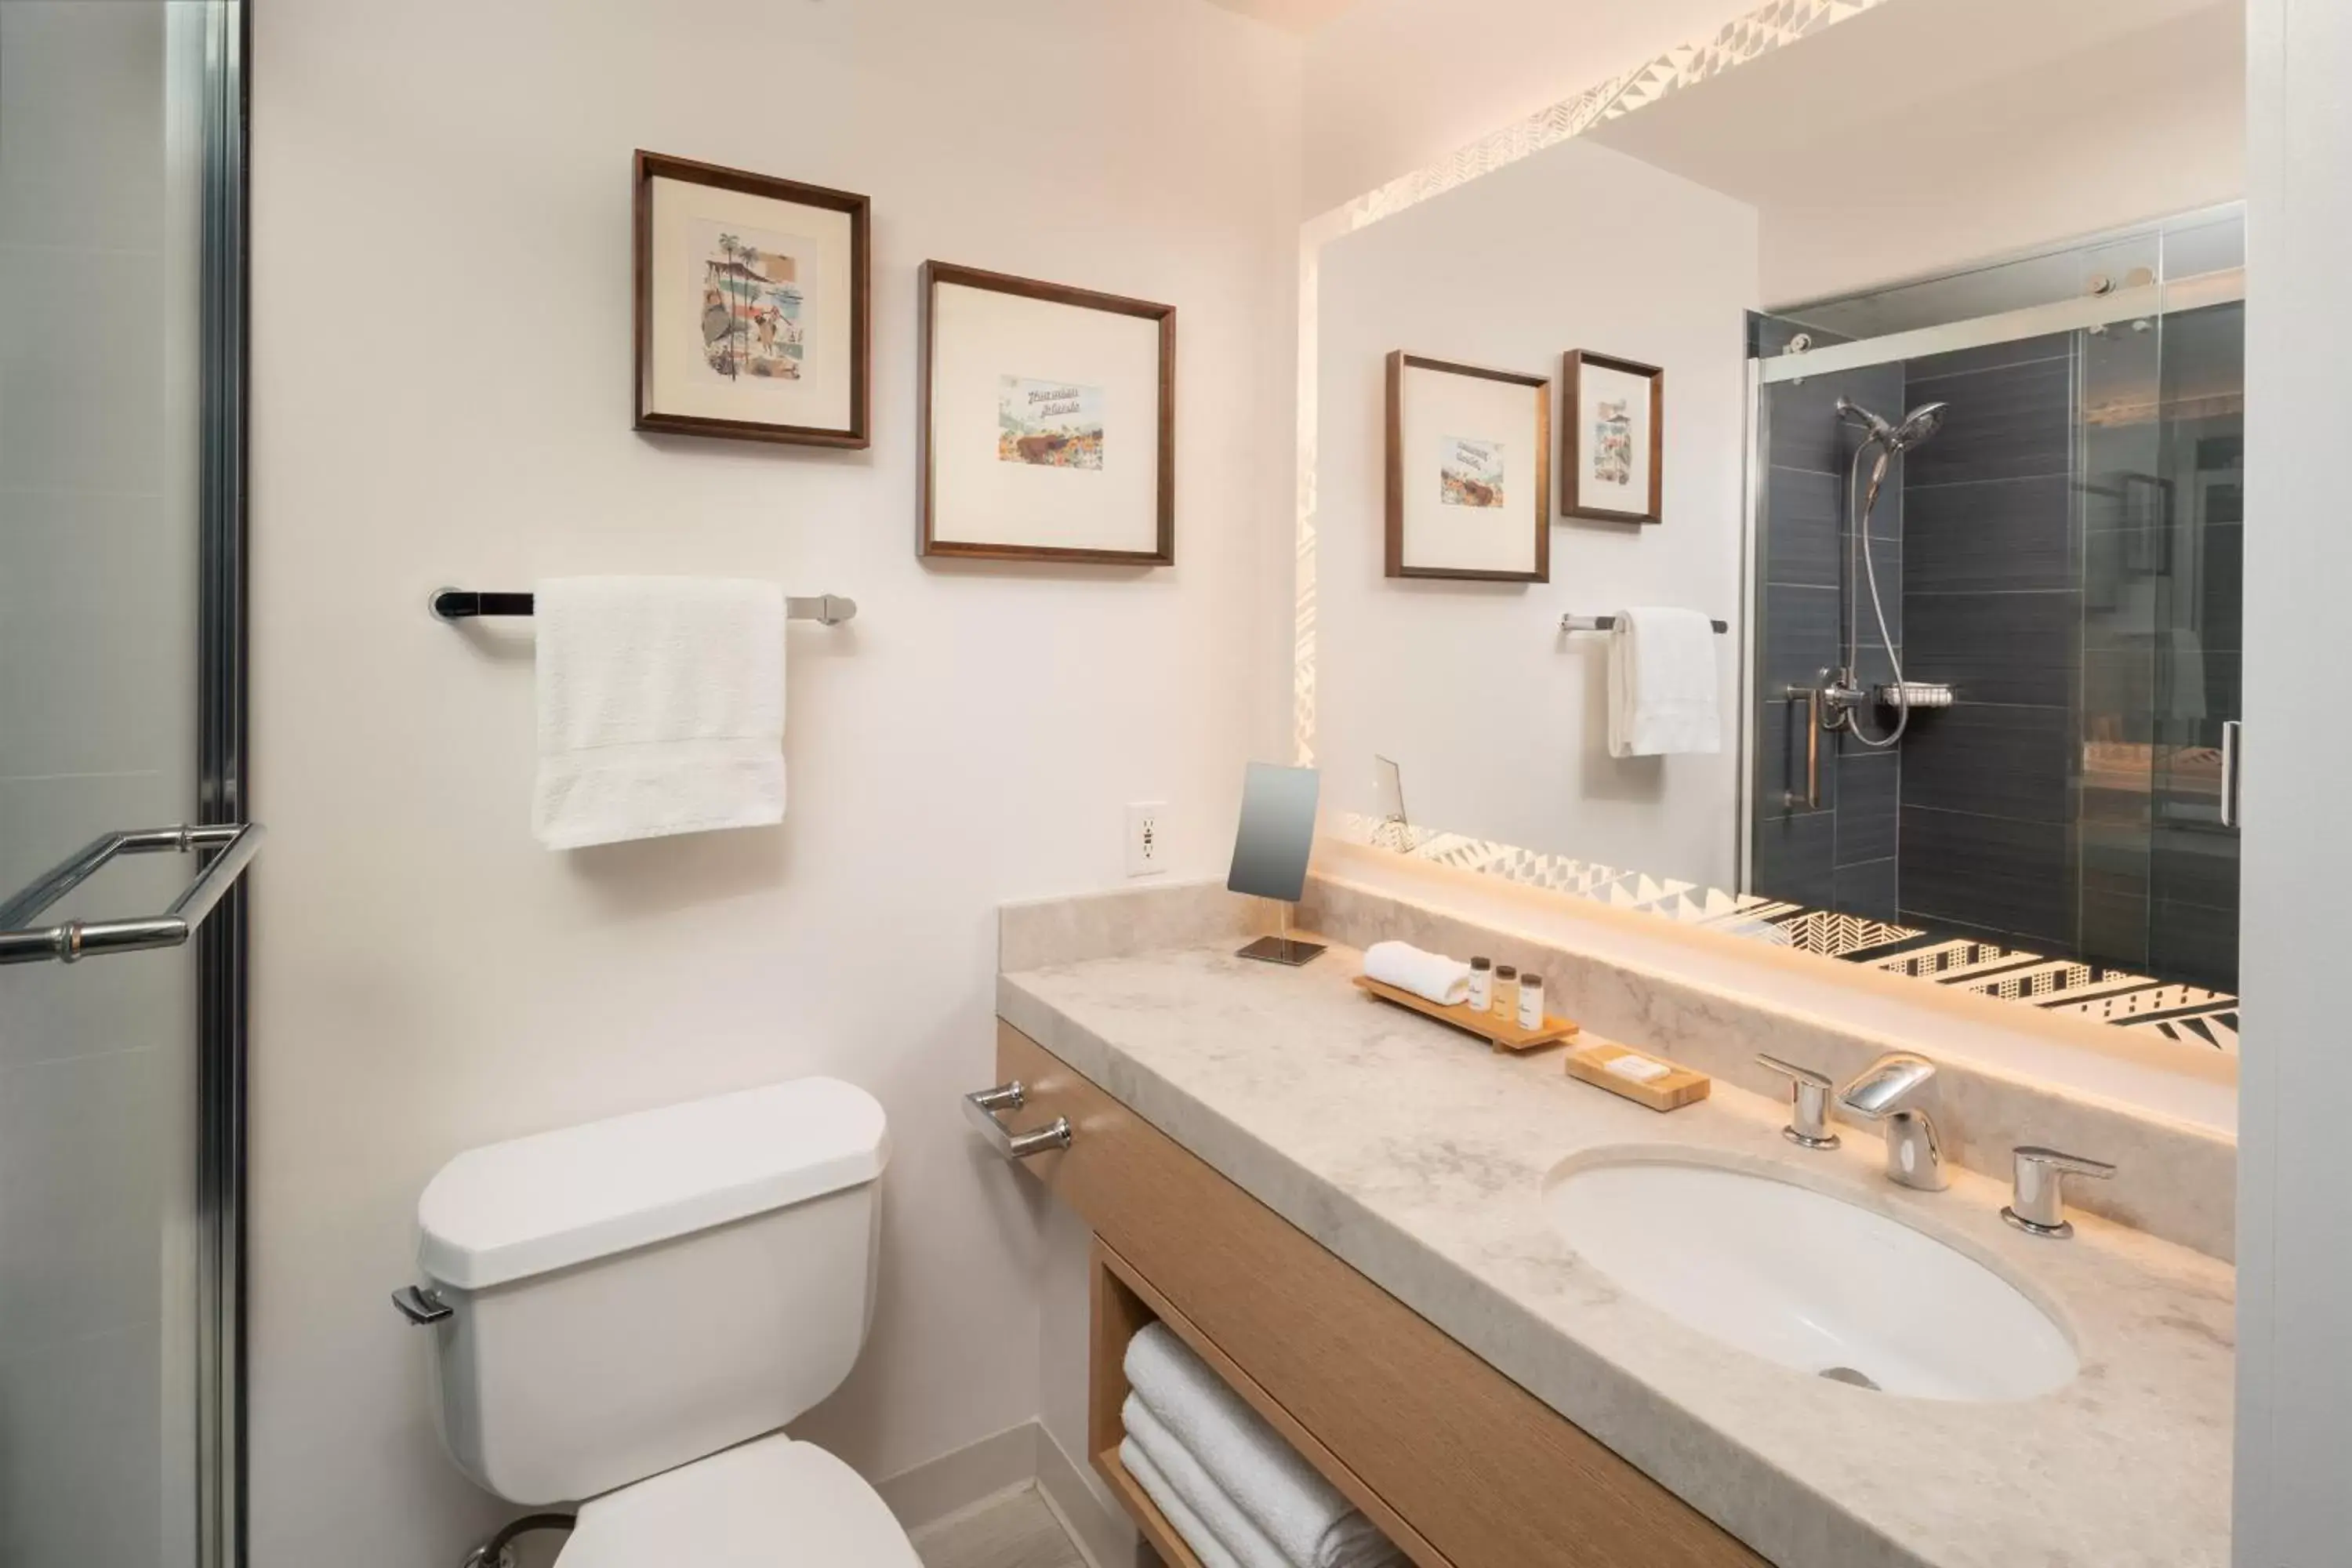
(1434, 976)
(1197, 1534)
(1234, 1529)
(1292, 1507)
(1663, 684)
(661, 708)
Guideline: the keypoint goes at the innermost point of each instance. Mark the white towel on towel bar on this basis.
(1234, 1529)
(1433, 976)
(1197, 1536)
(661, 708)
(1303, 1514)
(1663, 684)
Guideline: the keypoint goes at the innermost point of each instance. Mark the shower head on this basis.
(1917, 426)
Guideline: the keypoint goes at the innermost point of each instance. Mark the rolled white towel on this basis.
(1199, 1489)
(1301, 1513)
(1440, 979)
(1182, 1519)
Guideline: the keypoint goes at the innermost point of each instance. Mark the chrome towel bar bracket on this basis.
(235, 843)
(980, 1108)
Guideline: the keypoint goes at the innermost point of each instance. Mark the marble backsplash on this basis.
(1035, 932)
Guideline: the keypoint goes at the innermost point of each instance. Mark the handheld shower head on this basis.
(1917, 426)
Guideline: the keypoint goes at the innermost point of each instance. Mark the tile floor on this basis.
(1014, 1530)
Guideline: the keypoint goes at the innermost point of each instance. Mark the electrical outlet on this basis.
(1146, 850)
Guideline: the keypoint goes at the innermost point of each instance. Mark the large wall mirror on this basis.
(1797, 488)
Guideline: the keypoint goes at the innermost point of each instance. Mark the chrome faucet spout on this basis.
(1901, 1090)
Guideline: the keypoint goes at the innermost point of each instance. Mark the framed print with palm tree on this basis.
(751, 315)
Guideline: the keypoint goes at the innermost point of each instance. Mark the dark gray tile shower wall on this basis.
(1843, 854)
(1992, 606)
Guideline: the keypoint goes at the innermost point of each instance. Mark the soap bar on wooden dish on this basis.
(1643, 1079)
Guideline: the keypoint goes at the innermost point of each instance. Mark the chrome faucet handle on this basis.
(1809, 1103)
(2037, 1204)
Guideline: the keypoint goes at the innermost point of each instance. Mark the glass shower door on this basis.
(117, 1241)
(2192, 930)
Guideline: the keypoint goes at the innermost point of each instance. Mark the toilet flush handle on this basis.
(421, 1307)
(980, 1108)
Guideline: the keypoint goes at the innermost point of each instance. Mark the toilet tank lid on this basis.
(509, 1211)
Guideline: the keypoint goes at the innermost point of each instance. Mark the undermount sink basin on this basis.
(1810, 1280)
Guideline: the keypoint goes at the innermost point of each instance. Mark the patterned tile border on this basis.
(2187, 1014)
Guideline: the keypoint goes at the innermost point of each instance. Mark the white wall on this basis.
(1498, 721)
(2146, 126)
(2294, 1207)
(440, 368)
(1394, 85)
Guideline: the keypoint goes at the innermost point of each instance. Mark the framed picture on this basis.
(1613, 440)
(1469, 482)
(1046, 421)
(751, 306)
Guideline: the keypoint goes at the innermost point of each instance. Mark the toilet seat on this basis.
(773, 1503)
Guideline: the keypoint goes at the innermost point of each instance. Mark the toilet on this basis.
(625, 1313)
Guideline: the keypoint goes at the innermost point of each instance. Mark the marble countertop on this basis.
(1422, 1159)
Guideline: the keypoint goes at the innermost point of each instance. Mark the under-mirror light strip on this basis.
(1759, 33)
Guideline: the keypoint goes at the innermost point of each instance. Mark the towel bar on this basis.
(1609, 622)
(462, 604)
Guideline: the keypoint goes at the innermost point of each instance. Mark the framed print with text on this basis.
(1046, 421)
(1469, 472)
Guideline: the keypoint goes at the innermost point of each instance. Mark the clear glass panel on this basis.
(2121, 506)
(2193, 855)
(2062, 553)
(99, 159)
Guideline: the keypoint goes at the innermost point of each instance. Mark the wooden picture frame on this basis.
(1423, 481)
(1587, 458)
(763, 353)
(990, 431)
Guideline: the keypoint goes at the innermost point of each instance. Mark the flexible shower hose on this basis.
(1860, 521)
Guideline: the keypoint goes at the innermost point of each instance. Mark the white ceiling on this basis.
(1889, 92)
(1301, 16)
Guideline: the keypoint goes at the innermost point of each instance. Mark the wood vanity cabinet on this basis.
(1458, 1465)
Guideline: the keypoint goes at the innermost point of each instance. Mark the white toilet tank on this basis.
(634, 1294)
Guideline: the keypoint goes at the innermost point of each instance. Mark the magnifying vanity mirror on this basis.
(1943, 428)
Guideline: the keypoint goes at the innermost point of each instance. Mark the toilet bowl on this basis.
(770, 1503)
(624, 1314)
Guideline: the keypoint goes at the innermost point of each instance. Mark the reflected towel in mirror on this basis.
(1663, 684)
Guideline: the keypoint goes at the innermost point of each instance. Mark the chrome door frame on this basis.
(222, 794)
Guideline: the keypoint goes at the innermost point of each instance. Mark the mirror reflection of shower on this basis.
(1843, 698)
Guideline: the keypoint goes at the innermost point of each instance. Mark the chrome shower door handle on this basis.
(2229, 728)
(66, 941)
(980, 1108)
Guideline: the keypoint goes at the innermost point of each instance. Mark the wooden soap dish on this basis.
(1503, 1034)
(1675, 1087)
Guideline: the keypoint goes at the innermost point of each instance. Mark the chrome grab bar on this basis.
(237, 843)
(1811, 695)
(980, 1108)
